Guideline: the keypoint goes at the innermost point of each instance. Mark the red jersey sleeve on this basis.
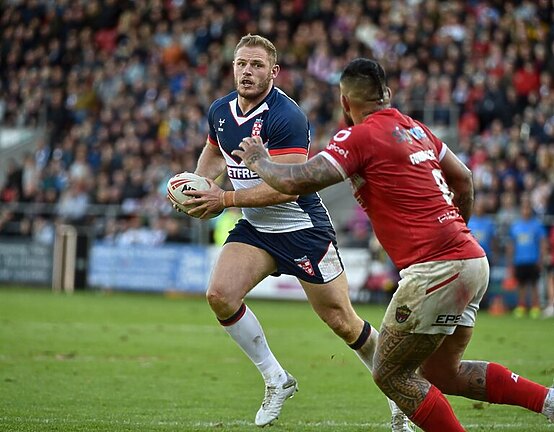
(344, 153)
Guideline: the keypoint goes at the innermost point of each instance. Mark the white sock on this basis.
(248, 334)
(367, 350)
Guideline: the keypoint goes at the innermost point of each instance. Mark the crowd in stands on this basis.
(124, 88)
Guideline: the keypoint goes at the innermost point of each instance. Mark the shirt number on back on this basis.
(443, 186)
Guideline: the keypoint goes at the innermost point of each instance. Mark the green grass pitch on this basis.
(135, 362)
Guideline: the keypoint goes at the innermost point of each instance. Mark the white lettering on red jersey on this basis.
(393, 165)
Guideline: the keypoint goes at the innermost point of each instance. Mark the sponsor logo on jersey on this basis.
(305, 264)
(401, 135)
(402, 313)
(417, 132)
(447, 320)
(449, 215)
(221, 123)
(422, 156)
(257, 128)
(335, 148)
(241, 173)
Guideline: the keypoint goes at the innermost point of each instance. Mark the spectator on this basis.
(73, 203)
(549, 309)
(138, 232)
(525, 253)
(133, 80)
(482, 226)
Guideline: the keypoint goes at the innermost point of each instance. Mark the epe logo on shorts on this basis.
(447, 320)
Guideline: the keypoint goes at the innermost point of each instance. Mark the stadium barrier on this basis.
(182, 268)
(23, 261)
(187, 268)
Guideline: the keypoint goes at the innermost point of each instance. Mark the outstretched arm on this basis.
(293, 179)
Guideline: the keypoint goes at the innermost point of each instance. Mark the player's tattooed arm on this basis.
(293, 179)
(316, 174)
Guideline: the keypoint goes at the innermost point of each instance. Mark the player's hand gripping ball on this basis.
(179, 184)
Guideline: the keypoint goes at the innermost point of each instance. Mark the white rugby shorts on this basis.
(435, 297)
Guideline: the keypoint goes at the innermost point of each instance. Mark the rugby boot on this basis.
(275, 397)
(399, 421)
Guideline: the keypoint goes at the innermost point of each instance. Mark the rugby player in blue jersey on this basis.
(279, 233)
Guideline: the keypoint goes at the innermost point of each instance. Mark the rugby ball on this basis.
(179, 184)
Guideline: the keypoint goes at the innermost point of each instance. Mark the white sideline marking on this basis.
(234, 423)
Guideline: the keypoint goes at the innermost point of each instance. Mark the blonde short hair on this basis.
(251, 40)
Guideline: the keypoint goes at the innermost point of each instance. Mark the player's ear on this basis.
(275, 71)
(345, 103)
(389, 93)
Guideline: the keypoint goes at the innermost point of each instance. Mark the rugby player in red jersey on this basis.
(419, 197)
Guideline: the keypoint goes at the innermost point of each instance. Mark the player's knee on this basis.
(382, 373)
(217, 298)
(339, 324)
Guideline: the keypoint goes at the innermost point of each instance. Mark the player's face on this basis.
(253, 71)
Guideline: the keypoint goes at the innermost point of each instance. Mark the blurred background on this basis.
(102, 101)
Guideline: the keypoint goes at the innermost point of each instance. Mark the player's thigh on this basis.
(443, 364)
(239, 268)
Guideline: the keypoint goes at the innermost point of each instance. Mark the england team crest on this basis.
(305, 264)
(257, 128)
(402, 313)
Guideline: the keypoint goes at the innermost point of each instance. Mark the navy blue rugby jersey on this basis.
(284, 129)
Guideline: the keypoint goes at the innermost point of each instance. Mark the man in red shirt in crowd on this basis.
(419, 197)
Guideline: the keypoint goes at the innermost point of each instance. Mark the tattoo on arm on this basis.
(299, 179)
(255, 157)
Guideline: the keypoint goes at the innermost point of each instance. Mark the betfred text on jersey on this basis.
(241, 173)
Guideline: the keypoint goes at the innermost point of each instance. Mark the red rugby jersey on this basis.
(393, 165)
